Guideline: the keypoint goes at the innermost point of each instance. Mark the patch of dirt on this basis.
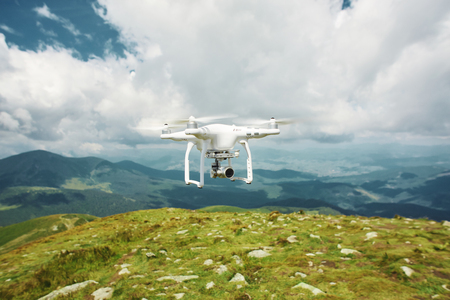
(441, 275)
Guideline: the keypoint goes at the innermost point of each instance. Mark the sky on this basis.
(76, 77)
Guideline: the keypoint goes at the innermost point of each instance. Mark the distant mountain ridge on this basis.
(40, 183)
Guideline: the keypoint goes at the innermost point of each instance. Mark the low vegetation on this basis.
(16, 235)
(174, 253)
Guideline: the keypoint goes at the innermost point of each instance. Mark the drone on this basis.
(216, 141)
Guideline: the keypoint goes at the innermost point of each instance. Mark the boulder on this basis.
(238, 277)
(408, 271)
(103, 293)
(259, 254)
(348, 251)
(221, 269)
(124, 271)
(67, 290)
(210, 285)
(306, 286)
(150, 254)
(371, 235)
(292, 239)
(208, 262)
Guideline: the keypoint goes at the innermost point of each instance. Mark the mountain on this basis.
(42, 168)
(40, 183)
(183, 254)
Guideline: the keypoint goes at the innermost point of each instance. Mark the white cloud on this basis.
(7, 121)
(378, 69)
(9, 29)
(307, 59)
(45, 12)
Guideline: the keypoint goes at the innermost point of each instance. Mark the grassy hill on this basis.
(182, 254)
(17, 235)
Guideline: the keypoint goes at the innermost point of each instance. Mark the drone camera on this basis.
(221, 172)
(225, 172)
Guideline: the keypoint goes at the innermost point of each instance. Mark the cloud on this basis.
(310, 60)
(375, 70)
(8, 29)
(45, 12)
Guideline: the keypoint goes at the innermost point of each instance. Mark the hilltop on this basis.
(184, 254)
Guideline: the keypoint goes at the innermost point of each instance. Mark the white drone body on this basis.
(216, 141)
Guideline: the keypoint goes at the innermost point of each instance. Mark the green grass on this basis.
(96, 251)
(16, 235)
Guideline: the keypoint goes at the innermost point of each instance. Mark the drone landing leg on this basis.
(186, 165)
(249, 178)
(205, 144)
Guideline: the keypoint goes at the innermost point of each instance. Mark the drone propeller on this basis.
(158, 127)
(202, 119)
(285, 121)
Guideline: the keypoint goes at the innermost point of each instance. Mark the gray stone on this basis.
(210, 285)
(221, 269)
(124, 271)
(179, 295)
(371, 235)
(238, 277)
(300, 274)
(348, 251)
(208, 262)
(238, 260)
(292, 239)
(150, 254)
(314, 290)
(103, 293)
(259, 254)
(68, 289)
(408, 271)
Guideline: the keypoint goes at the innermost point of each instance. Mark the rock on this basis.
(163, 252)
(179, 295)
(303, 275)
(182, 231)
(103, 293)
(349, 251)
(314, 236)
(292, 239)
(314, 290)
(68, 289)
(198, 248)
(150, 254)
(332, 283)
(408, 271)
(310, 254)
(339, 246)
(371, 235)
(407, 260)
(210, 285)
(125, 265)
(446, 223)
(221, 269)
(124, 271)
(258, 254)
(238, 277)
(208, 262)
(178, 279)
(238, 260)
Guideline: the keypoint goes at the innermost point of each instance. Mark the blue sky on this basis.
(77, 76)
